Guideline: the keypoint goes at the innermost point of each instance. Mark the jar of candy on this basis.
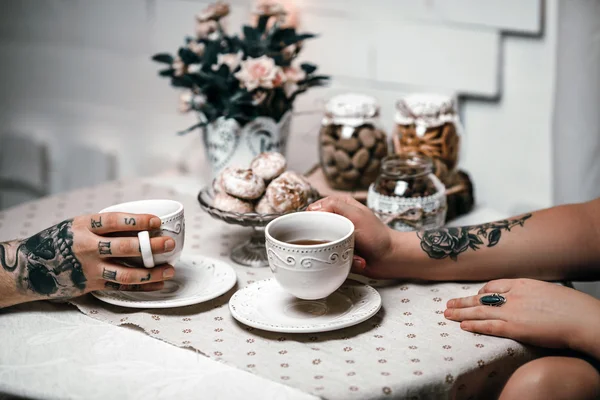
(406, 195)
(352, 143)
(428, 124)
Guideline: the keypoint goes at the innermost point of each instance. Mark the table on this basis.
(52, 350)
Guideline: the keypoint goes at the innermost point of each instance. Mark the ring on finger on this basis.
(492, 300)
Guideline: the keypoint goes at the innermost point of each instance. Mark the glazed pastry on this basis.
(243, 183)
(218, 186)
(286, 193)
(264, 207)
(225, 202)
(268, 165)
(300, 180)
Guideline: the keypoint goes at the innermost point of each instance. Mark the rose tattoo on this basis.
(450, 242)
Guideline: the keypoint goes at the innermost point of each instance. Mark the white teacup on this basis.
(313, 271)
(172, 220)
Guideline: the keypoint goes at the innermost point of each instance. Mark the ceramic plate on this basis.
(197, 279)
(265, 305)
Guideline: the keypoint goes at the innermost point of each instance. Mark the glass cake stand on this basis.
(251, 253)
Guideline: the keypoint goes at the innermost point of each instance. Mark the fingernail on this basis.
(155, 222)
(450, 303)
(169, 244)
(169, 273)
(447, 313)
(315, 206)
(357, 263)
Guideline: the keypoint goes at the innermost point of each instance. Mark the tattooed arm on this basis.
(557, 243)
(73, 258)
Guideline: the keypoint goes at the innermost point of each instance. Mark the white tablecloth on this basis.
(53, 351)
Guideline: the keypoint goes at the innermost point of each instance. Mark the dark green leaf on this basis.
(191, 128)
(250, 33)
(188, 56)
(164, 58)
(494, 237)
(283, 35)
(308, 68)
(297, 38)
(262, 23)
(475, 239)
(166, 72)
(210, 55)
(182, 81)
(315, 78)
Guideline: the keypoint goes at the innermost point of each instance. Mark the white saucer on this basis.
(197, 279)
(265, 305)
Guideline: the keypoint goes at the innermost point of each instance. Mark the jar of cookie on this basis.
(407, 196)
(352, 143)
(428, 124)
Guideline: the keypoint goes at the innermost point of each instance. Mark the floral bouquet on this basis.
(237, 77)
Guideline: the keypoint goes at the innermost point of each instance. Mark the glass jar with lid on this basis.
(352, 143)
(428, 124)
(406, 195)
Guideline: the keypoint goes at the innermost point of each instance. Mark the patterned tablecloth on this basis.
(408, 350)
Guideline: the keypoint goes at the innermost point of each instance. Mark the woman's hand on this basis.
(374, 246)
(76, 256)
(539, 313)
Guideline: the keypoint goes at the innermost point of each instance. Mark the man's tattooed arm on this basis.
(450, 242)
(45, 265)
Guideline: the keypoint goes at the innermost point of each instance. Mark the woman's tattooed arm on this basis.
(450, 242)
(45, 264)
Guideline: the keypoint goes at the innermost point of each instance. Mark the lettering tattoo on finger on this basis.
(130, 221)
(147, 278)
(109, 275)
(96, 224)
(104, 248)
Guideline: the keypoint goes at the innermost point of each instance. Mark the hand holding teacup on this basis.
(85, 254)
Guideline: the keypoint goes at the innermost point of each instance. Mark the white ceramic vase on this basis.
(226, 143)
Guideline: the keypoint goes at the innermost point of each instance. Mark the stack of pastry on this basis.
(265, 188)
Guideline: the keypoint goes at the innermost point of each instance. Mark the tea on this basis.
(308, 242)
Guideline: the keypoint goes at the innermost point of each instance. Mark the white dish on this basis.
(197, 279)
(265, 305)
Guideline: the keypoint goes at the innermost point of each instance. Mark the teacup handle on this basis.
(145, 249)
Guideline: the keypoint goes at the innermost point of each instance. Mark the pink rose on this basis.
(214, 11)
(260, 72)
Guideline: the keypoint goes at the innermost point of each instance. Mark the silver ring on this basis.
(492, 300)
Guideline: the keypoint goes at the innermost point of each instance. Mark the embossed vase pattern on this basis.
(226, 143)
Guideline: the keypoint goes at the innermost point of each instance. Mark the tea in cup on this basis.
(310, 253)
